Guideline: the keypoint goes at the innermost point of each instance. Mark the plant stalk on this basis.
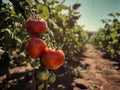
(46, 85)
(33, 80)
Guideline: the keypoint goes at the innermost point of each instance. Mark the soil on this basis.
(86, 71)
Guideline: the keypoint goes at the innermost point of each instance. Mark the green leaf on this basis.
(12, 11)
(113, 35)
(76, 17)
(76, 12)
(118, 14)
(115, 41)
(63, 17)
(76, 6)
(111, 14)
(43, 11)
(60, 7)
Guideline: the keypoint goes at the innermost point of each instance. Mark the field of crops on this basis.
(43, 47)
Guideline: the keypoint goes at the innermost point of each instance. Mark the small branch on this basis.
(46, 85)
(33, 80)
(33, 76)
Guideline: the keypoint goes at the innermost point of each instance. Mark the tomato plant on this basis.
(52, 59)
(108, 37)
(63, 31)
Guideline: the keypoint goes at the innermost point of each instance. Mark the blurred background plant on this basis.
(108, 37)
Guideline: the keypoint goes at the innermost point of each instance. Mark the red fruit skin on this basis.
(35, 47)
(53, 59)
(36, 27)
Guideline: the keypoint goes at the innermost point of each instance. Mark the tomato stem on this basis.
(46, 86)
(33, 76)
(33, 80)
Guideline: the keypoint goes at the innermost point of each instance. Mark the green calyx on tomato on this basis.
(35, 47)
(52, 59)
(42, 74)
(35, 27)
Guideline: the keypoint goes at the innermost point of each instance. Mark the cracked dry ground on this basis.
(101, 74)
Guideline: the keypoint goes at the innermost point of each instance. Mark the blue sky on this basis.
(93, 11)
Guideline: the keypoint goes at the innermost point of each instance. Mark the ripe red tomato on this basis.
(36, 27)
(53, 59)
(35, 47)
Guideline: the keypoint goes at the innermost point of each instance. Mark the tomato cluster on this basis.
(43, 75)
(37, 48)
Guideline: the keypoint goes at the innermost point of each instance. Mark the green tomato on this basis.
(52, 77)
(40, 86)
(42, 74)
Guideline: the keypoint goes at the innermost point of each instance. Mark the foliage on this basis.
(11, 35)
(62, 22)
(64, 30)
(108, 37)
